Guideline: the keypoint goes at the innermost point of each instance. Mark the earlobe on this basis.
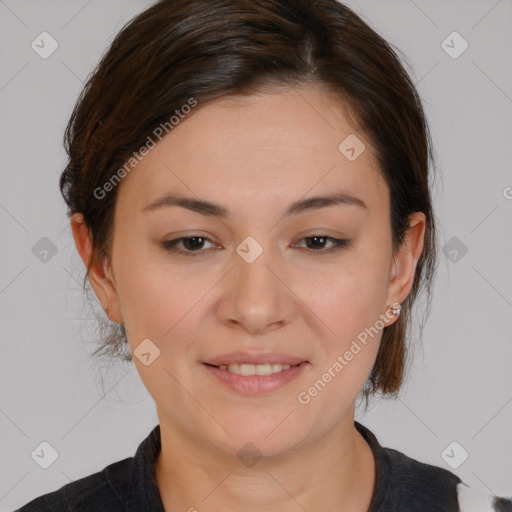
(403, 266)
(98, 271)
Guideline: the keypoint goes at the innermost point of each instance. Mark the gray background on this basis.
(460, 388)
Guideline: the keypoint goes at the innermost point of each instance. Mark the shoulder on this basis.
(104, 490)
(405, 484)
(126, 485)
(418, 486)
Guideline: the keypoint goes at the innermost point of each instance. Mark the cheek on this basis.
(350, 304)
(166, 309)
(351, 295)
(157, 304)
(166, 304)
(150, 299)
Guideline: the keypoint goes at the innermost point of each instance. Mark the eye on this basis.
(316, 243)
(192, 244)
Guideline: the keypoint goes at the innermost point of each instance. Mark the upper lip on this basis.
(254, 358)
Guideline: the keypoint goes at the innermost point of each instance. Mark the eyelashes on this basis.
(195, 248)
(172, 245)
(338, 243)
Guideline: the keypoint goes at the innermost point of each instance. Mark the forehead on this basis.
(260, 148)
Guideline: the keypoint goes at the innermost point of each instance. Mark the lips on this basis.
(236, 378)
(255, 358)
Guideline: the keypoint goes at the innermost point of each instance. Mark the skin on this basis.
(255, 156)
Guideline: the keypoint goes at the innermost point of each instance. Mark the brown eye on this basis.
(316, 243)
(191, 244)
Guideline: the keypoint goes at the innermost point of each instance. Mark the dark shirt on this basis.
(402, 484)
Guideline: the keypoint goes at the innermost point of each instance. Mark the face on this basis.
(254, 279)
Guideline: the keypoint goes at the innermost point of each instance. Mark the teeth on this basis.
(255, 369)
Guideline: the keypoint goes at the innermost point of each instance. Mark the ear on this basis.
(403, 266)
(99, 272)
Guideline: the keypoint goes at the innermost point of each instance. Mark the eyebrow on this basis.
(216, 210)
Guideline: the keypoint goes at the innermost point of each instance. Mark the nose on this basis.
(256, 295)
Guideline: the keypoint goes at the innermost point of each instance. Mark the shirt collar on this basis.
(382, 469)
(144, 495)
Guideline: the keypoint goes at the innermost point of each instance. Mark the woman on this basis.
(248, 188)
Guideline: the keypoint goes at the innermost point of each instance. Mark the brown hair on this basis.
(182, 49)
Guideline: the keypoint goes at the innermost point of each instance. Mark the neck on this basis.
(337, 469)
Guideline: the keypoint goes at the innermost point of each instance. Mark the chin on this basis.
(269, 438)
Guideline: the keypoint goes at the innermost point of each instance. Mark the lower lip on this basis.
(256, 384)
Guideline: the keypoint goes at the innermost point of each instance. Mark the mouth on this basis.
(251, 377)
(248, 369)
